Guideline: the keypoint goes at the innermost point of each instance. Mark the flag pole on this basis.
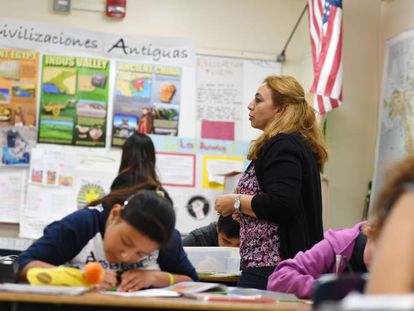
(282, 56)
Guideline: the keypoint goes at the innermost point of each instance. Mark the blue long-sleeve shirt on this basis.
(78, 239)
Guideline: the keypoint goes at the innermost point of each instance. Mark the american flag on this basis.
(325, 27)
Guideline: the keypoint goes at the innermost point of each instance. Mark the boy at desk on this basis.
(125, 233)
(224, 232)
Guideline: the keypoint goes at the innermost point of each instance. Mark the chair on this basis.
(8, 266)
(332, 287)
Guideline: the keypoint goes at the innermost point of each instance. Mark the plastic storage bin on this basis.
(214, 259)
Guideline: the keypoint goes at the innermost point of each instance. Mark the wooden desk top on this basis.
(219, 278)
(97, 299)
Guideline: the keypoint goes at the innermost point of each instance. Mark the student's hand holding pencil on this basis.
(109, 280)
(133, 280)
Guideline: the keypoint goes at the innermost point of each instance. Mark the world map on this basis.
(396, 121)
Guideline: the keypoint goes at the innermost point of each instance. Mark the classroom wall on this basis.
(239, 28)
(351, 129)
(396, 17)
(259, 29)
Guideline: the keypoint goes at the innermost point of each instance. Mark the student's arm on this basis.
(133, 280)
(298, 275)
(108, 281)
(61, 241)
(393, 267)
(34, 264)
(172, 258)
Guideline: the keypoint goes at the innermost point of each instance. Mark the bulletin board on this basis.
(206, 131)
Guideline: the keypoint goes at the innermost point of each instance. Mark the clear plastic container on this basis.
(214, 259)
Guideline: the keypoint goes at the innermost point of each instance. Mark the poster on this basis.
(219, 96)
(91, 187)
(53, 166)
(215, 167)
(63, 179)
(12, 185)
(18, 86)
(176, 169)
(16, 143)
(44, 204)
(146, 100)
(73, 100)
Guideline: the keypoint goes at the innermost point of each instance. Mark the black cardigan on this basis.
(289, 177)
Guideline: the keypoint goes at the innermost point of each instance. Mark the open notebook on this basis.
(176, 290)
(210, 292)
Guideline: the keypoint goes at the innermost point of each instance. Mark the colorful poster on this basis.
(147, 100)
(166, 95)
(73, 102)
(18, 84)
(16, 143)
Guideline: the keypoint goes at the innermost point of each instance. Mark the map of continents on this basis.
(396, 121)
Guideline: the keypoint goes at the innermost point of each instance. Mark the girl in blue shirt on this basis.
(129, 231)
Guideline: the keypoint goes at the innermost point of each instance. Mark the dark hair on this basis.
(138, 157)
(147, 207)
(228, 226)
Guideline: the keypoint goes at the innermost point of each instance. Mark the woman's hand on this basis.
(236, 216)
(224, 204)
(133, 280)
(109, 280)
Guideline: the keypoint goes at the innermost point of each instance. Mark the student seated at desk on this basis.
(137, 162)
(125, 233)
(297, 275)
(342, 250)
(224, 232)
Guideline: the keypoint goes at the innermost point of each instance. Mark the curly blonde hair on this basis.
(400, 172)
(297, 116)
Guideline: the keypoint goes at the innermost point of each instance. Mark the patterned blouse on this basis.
(259, 239)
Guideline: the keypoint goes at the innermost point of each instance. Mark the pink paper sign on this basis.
(217, 130)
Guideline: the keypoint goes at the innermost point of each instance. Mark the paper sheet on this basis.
(152, 292)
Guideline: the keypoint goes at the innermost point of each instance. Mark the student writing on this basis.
(125, 232)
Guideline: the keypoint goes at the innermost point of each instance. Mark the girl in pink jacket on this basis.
(341, 250)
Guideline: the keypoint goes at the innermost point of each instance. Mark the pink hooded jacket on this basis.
(298, 275)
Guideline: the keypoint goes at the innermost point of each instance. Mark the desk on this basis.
(97, 301)
(230, 280)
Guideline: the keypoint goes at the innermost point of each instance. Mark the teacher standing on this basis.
(278, 200)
